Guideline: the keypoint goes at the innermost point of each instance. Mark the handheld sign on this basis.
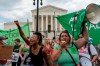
(5, 52)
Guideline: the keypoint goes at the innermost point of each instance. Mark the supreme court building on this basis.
(47, 23)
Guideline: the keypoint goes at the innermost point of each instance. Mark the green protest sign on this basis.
(94, 32)
(67, 22)
(13, 34)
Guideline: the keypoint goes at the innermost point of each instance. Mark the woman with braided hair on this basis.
(36, 52)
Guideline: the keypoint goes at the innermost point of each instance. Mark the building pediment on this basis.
(49, 8)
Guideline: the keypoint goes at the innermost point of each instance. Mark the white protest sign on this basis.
(15, 57)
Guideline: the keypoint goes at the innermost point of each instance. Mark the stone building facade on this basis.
(47, 23)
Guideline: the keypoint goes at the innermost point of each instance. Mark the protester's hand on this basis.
(78, 65)
(16, 22)
(22, 59)
(63, 44)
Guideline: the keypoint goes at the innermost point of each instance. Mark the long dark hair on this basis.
(39, 37)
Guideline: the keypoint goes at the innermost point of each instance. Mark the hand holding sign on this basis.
(15, 57)
(5, 52)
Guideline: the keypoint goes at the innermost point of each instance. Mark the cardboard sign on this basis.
(5, 52)
(14, 57)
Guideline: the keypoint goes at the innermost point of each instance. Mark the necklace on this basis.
(35, 51)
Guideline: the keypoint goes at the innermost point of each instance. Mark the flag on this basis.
(67, 21)
(13, 34)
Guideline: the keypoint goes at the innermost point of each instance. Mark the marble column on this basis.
(60, 27)
(33, 23)
(42, 22)
(56, 24)
(46, 22)
(51, 22)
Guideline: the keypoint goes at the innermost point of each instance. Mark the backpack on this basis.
(89, 50)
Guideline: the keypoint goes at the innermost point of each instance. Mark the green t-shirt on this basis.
(25, 49)
(64, 58)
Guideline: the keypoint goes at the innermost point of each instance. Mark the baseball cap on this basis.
(3, 38)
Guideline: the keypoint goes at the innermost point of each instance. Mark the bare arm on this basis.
(22, 33)
(47, 58)
(95, 57)
(81, 41)
(55, 54)
(20, 52)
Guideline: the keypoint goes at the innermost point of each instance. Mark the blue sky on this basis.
(11, 10)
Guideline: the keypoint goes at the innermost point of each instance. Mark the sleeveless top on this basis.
(37, 60)
(16, 48)
(25, 49)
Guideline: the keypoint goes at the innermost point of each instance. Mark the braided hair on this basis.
(39, 37)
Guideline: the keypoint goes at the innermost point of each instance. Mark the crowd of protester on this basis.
(39, 50)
